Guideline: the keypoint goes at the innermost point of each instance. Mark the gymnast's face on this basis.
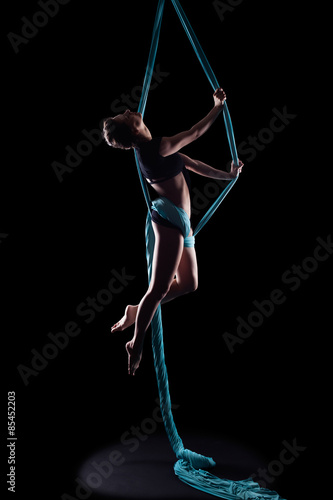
(131, 119)
(135, 123)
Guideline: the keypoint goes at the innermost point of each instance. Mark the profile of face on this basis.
(132, 119)
(126, 130)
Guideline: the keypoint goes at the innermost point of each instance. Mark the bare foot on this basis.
(134, 357)
(127, 320)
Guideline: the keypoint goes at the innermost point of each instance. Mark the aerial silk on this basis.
(190, 465)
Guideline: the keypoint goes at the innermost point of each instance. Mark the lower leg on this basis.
(167, 255)
(186, 281)
(145, 313)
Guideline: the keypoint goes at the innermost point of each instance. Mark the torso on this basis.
(166, 175)
(176, 190)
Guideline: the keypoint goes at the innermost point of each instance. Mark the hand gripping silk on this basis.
(190, 465)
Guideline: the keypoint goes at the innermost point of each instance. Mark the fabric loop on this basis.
(169, 211)
(196, 460)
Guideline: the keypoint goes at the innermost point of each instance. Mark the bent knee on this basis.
(160, 290)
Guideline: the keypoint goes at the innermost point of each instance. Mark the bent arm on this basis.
(206, 170)
(170, 145)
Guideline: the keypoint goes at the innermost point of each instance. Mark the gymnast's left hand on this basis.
(236, 170)
(219, 98)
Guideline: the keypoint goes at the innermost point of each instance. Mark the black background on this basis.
(61, 240)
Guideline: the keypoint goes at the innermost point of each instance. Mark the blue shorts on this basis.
(156, 217)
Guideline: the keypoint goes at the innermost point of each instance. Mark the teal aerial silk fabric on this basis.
(190, 465)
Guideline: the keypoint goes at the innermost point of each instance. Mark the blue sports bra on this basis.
(157, 168)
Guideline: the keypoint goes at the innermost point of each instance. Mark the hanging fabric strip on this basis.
(190, 464)
(209, 73)
(146, 87)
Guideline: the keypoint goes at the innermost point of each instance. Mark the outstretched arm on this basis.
(170, 145)
(207, 171)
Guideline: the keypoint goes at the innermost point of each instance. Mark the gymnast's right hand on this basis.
(235, 170)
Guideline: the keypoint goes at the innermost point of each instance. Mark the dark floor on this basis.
(147, 473)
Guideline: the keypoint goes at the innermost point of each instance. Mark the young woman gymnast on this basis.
(174, 268)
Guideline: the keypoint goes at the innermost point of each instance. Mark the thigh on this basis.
(169, 244)
(187, 272)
